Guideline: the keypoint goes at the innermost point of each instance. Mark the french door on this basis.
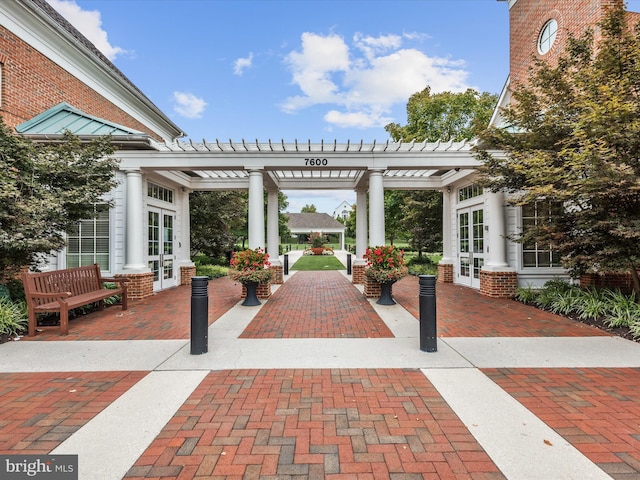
(470, 246)
(161, 251)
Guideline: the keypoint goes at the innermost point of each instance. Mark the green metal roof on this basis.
(64, 117)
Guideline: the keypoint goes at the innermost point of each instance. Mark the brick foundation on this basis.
(445, 273)
(357, 274)
(621, 281)
(263, 291)
(140, 285)
(186, 273)
(372, 289)
(498, 284)
(277, 274)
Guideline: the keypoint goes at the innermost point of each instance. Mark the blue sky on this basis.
(297, 69)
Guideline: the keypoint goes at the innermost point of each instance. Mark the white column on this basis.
(185, 231)
(135, 224)
(256, 209)
(376, 208)
(361, 223)
(273, 239)
(447, 253)
(497, 254)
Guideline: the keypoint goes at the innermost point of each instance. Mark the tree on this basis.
(45, 191)
(394, 226)
(218, 220)
(422, 219)
(309, 209)
(574, 141)
(444, 116)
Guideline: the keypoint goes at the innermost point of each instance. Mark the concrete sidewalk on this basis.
(482, 408)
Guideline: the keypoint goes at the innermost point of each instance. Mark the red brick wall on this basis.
(621, 281)
(357, 274)
(140, 285)
(527, 17)
(498, 284)
(277, 274)
(31, 84)
(186, 273)
(445, 273)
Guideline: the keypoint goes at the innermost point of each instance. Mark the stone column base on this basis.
(445, 273)
(372, 289)
(277, 274)
(186, 273)
(263, 290)
(357, 274)
(498, 284)
(140, 285)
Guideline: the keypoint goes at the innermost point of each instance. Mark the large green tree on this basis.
(45, 190)
(444, 116)
(574, 141)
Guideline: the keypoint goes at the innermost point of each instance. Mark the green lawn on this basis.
(318, 262)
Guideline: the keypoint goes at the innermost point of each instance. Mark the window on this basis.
(470, 191)
(535, 254)
(88, 242)
(161, 193)
(547, 36)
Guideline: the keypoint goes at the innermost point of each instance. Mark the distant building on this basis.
(304, 224)
(342, 210)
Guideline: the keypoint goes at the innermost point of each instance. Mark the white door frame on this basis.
(161, 247)
(471, 245)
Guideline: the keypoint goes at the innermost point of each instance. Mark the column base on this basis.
(263, 291)
(372, 289)
(186, 273)
(445, 273)
(277, 274)
(140, 285)
(357, 274)
(498, 284)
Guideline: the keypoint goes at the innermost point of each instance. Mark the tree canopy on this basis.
(46, 190)
(444, 116)
(309, 209)
(574, 140)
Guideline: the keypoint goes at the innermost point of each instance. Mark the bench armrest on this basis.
(115, 280)
(49, 295)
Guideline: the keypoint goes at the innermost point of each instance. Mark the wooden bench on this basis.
(62, 290)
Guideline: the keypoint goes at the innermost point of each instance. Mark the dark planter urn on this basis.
(251, 300)
(385, 294)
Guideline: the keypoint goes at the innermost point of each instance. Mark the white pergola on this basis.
(274, 166)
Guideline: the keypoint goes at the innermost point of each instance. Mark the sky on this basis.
(297, 69)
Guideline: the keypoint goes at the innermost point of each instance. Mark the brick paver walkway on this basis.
(315, 424)
(463, 312)
(596, 410)
(317, 305)
(41, 410)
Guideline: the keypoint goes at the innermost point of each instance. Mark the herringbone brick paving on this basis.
(317, 305)
(276, 424)
(596, 410)
(41, 410)
(463, 312)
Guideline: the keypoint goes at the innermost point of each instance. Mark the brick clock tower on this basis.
(542, 27)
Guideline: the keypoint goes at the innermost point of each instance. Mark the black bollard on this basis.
(348, 264)
(286, 264)
(199, 315)
(428, 328)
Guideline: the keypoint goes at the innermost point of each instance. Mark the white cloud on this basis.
(188, 105)
(241, 64)
(89, 23)
(362, 82)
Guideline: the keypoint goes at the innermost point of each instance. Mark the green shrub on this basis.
(211, 271)
(422, 260)
(566, 301)
(527, 295)
(13, 317)
(550, 291)
(593, 304)
(624, 311)
(423, 269)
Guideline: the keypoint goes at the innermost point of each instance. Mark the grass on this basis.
(318, 262)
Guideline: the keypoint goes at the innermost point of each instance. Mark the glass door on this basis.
(470, 246)
(161, 248)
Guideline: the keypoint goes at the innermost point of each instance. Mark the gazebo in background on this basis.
(323, 223)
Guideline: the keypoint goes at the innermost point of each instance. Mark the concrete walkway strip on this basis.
(86, 356)
(548, 352)
(109, 444)
(518, 442)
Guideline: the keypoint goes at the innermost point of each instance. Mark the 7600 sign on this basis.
(316, 162)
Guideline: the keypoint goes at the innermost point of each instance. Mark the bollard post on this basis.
(199, 315)
(348, 264)
(428, 328)
(286, 264)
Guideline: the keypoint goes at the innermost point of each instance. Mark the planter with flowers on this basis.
(385, 266)
(251, 268)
